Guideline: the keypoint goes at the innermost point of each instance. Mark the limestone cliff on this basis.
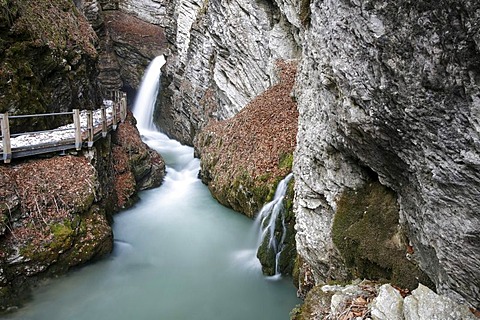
(389, 91)
(389, 108)
(224, 56)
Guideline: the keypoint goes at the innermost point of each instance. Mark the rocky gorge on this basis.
(56, 211)
(381, 118)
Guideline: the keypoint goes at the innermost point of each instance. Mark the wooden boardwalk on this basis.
(88, 126)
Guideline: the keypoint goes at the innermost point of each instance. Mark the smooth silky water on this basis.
(178, 254)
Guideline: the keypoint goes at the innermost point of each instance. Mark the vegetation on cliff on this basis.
(367, 232)
(48, 55)
(244, 158)
(55, 222)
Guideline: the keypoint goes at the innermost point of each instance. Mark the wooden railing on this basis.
(81, 134)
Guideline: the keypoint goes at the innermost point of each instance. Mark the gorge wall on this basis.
(389, 115)
(55, 211)
(387, 95)
(390, 92)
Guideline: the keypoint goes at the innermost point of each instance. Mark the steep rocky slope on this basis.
(244, 157)
(389, 92)
(55, 213)
(224, 56)
(48, 56)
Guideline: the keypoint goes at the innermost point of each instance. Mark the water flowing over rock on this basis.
(387, 93)
(147, 94)
(271, 223)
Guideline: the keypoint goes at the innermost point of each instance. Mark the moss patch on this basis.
(244, 157)
(367, 233)
(305, 12)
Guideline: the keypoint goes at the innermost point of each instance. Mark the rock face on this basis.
(48, 59)
(370, 300)
(390, 90)
(131, 34)
(224, 56)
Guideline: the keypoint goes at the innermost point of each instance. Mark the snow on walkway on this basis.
(64, 132)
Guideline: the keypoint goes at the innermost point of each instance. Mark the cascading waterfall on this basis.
(147, 95)
(172, 256)
(266, 223)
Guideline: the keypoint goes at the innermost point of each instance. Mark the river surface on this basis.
(178, 254)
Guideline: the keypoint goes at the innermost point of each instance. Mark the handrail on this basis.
(40, 115)
(119, 107)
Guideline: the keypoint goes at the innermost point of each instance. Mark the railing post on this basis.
(78, 129)
(114, 115)
(104, 121)
(123, 107)
(7, 150)
(90, 128)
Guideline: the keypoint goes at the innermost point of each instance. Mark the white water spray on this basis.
(266, 221)
(147, 95)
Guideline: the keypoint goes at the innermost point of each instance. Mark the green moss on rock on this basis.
(367, 233)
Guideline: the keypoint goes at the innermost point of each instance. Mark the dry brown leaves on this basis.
(133, 30)
(357, 307)
(50, 191)
(259, 134)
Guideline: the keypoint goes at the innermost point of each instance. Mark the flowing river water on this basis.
(178, 254)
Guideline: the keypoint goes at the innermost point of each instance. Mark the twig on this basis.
(40, 213)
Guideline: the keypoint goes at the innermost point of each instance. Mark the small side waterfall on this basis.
(271, 236)
(147, 95)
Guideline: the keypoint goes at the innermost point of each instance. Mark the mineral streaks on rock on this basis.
(391, 89)
(226, 54)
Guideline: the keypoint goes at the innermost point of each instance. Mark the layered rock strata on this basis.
(224, 56)
(389, 91)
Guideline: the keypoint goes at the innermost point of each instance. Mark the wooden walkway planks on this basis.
(82, 134)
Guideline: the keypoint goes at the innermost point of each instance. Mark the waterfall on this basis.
(147, 95)
(266, 223)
